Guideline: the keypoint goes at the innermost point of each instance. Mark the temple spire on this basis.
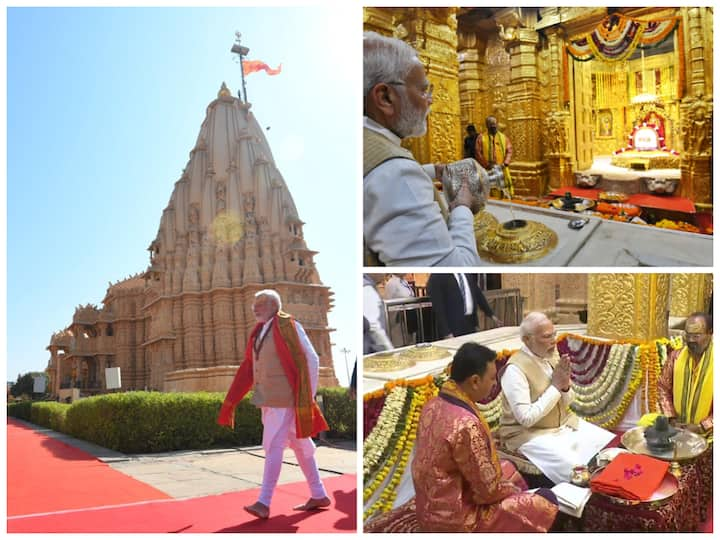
(242, 52)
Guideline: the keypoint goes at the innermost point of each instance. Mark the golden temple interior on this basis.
(562, 108)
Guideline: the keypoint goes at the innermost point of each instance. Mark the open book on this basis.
(572, 498)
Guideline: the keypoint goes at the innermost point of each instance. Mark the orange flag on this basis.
(251, 66)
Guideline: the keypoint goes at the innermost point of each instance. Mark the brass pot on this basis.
(516, 241)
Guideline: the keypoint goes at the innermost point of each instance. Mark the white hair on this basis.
(271, 293)
(530, 323)
(385, 59)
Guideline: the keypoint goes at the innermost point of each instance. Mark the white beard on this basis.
(411, 123)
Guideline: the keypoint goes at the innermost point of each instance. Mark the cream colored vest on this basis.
(272, 388)
(511, 433)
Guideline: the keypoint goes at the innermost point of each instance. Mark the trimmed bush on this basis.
(20, 410)
(49, 414)
(340, 412)
(144, 422)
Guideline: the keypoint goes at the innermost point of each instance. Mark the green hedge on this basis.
(340, 412)
(142, 422)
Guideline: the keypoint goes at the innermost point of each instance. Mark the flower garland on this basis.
(379, 439)
(399, 456)
(372, 407)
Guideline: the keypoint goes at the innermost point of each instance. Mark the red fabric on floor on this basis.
(645, 200)
(46, 475)
(214, 513)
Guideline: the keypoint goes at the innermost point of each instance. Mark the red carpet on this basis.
(646, 200)
(215, 513)
(47, 475)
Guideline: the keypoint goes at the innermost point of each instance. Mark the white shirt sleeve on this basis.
(403, 224)
(517, 391)
(313, 359)
(372, 303)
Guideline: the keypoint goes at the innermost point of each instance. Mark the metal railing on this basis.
(411, 320)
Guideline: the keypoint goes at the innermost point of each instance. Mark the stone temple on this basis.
(230, 229)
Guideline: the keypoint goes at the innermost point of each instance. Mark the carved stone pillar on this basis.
(628, 306)
(528, 169)
(433, 34)
(689, 293)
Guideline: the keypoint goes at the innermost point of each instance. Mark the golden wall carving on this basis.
(628, 306)
(689, 293)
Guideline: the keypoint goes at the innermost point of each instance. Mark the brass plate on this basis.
(521, 244)
(660, 496)
(688, 445)
(612, 196)
(585, 204)
(425, 352)
(386, 361)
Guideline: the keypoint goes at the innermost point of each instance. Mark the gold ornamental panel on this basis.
(628, 306)
(689, 293)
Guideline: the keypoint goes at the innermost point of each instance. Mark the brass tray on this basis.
(386, 361)
(516, 241)
(660, 496)
(425, 352)
(688, 445)
(584, 204)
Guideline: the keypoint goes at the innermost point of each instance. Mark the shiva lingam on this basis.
(515, 241)
(658, 436)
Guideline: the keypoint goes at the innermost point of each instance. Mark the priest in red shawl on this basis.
(460, 484)
(686, 382)
(281, 367)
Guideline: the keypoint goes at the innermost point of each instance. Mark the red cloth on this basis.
(251, 66)
(309, 420)
(645, 200)
(631, 476)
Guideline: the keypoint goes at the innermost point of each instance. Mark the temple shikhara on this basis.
(609, 112)
(231, 228)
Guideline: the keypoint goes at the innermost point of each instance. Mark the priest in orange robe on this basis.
(281, 367)
(460, 484)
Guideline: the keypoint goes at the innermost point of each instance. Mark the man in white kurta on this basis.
(274, 395)
(536, 421)
(406, 221)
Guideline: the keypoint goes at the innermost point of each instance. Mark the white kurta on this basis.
(556, 453)
(403, 224)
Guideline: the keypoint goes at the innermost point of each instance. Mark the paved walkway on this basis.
(196, 473)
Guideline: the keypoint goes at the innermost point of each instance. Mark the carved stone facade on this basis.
(230, 229)
(512, 63)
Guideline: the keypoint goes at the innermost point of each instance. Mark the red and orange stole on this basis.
(309, 420)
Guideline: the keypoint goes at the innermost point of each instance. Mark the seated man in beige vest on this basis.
(406, 221)
(536, 420)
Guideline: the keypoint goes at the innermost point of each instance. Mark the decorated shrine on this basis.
(616, 361)
(610, 106)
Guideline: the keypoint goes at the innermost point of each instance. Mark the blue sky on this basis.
(103, 108)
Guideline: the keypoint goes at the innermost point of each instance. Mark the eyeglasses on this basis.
(427, 93)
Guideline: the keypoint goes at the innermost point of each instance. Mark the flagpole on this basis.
(241, 51)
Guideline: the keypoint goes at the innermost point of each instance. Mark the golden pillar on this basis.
(696, 110)
(525, 128)
(433, 34)
(380, 20)
(628, 306)
(689, 293)
(471, 80)
(557, 123)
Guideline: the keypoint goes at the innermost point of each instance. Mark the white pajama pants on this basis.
(278, 433)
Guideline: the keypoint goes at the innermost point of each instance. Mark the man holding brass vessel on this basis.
(536, 395)
(406, 220)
